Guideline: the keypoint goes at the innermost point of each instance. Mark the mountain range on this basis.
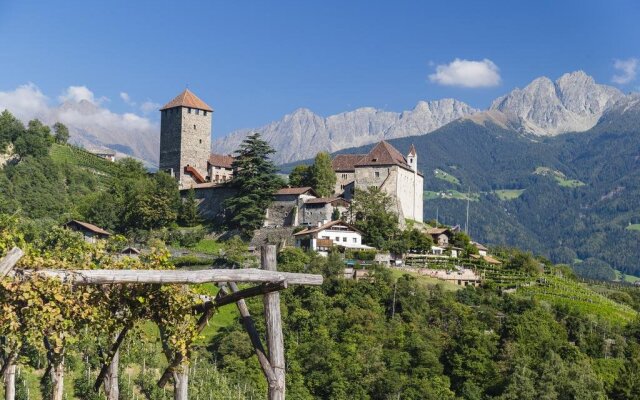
(573, 103)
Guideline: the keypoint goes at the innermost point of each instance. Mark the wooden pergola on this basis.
(268, 281)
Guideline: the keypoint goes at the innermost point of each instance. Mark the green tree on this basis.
(35, 140)
(370, 208)
(300, 176)
(10, 128)
(61, 133)
(323, 178)
(255, 182)
(189, 214)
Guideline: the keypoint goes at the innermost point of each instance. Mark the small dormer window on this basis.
(205, 113)
(374, 159)
(197, 112)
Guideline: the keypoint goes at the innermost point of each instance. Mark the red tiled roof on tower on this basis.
(412, 150)
(383, 154)
(187, 99)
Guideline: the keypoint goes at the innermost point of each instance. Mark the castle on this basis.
(387, 169)
(185, 153)
(185, 143)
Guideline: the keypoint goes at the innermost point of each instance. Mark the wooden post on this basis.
(275, 340)
(9, 375)
(9, 261)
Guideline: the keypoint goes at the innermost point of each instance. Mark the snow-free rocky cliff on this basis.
(573, 103)
(301, 134)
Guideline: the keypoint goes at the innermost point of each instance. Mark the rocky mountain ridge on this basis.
(573, 103)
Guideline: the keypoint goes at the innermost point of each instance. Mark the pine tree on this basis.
(323, 176)
(255, 182)
(189, 214)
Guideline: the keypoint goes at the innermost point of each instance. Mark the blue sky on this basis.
(255, 61)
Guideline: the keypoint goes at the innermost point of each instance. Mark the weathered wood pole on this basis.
(57, 380)
(181, 383)
(275, 340)
(111, 387)
(10, 379)
(9, 369)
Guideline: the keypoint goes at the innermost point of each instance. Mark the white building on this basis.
(335, 233)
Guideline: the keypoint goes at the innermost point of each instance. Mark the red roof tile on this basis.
(412, 150)
(326, 226)
(87, 226)
(221, 160)
(345, 162)
(295, 190)
(187, 99)
(383, 154)
(326, 200)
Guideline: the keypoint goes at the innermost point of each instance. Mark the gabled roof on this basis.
(479, 246)
(220, 160)
(326, 226)
(187, 99)
(437, 231)
(326, 200)
(87, 226)
(383, 154)
(296, 191)
(345, 162)
(412, 150)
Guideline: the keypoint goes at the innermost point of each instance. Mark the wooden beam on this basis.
(10, 260)
(107, 276)
(254, 336)
(234, 297)
(275, 339)
(112, 351)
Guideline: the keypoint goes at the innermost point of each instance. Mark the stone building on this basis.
(185, 143)
(321, 210)
(386, 168)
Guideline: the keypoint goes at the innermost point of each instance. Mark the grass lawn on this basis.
(508, 194)
(451, 195)
(559, 177)
(626, 278)
(445, 176)
(209, 246)
(426, 280)
(633, 227)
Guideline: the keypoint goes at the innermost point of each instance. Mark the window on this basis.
(355, 240)
(344, 239)
(205, 113)
(197, 112)
(410, 160)
(200, 141)
(344, 176)
(194, 126)
(326, 237)
(377, 174)
(189, 110)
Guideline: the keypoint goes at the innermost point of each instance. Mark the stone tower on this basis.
(412, 158)
(185, 138)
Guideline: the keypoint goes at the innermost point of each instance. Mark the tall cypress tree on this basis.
(323, 175)
(255, 182)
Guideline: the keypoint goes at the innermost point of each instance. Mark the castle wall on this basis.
(409, 189)
(343, 179)
(170, 141)
(210, 201)
(185, 139)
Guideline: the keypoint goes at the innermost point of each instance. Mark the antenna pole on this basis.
(466, 225)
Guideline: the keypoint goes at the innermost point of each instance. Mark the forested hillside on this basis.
(573, 197)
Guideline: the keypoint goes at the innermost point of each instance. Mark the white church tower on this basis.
(418, 184)
(412, 158)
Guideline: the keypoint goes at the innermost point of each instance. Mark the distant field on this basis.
(508, 194)
(209, 246)
(560, 178)
(633, 227)
(451, 195)
(445, 176)
(627, 278)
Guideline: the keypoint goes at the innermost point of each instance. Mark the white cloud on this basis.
(626, 71)
(127, 99)
(91, 125)
(467, 73)
(149, 106)
(25, 102)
